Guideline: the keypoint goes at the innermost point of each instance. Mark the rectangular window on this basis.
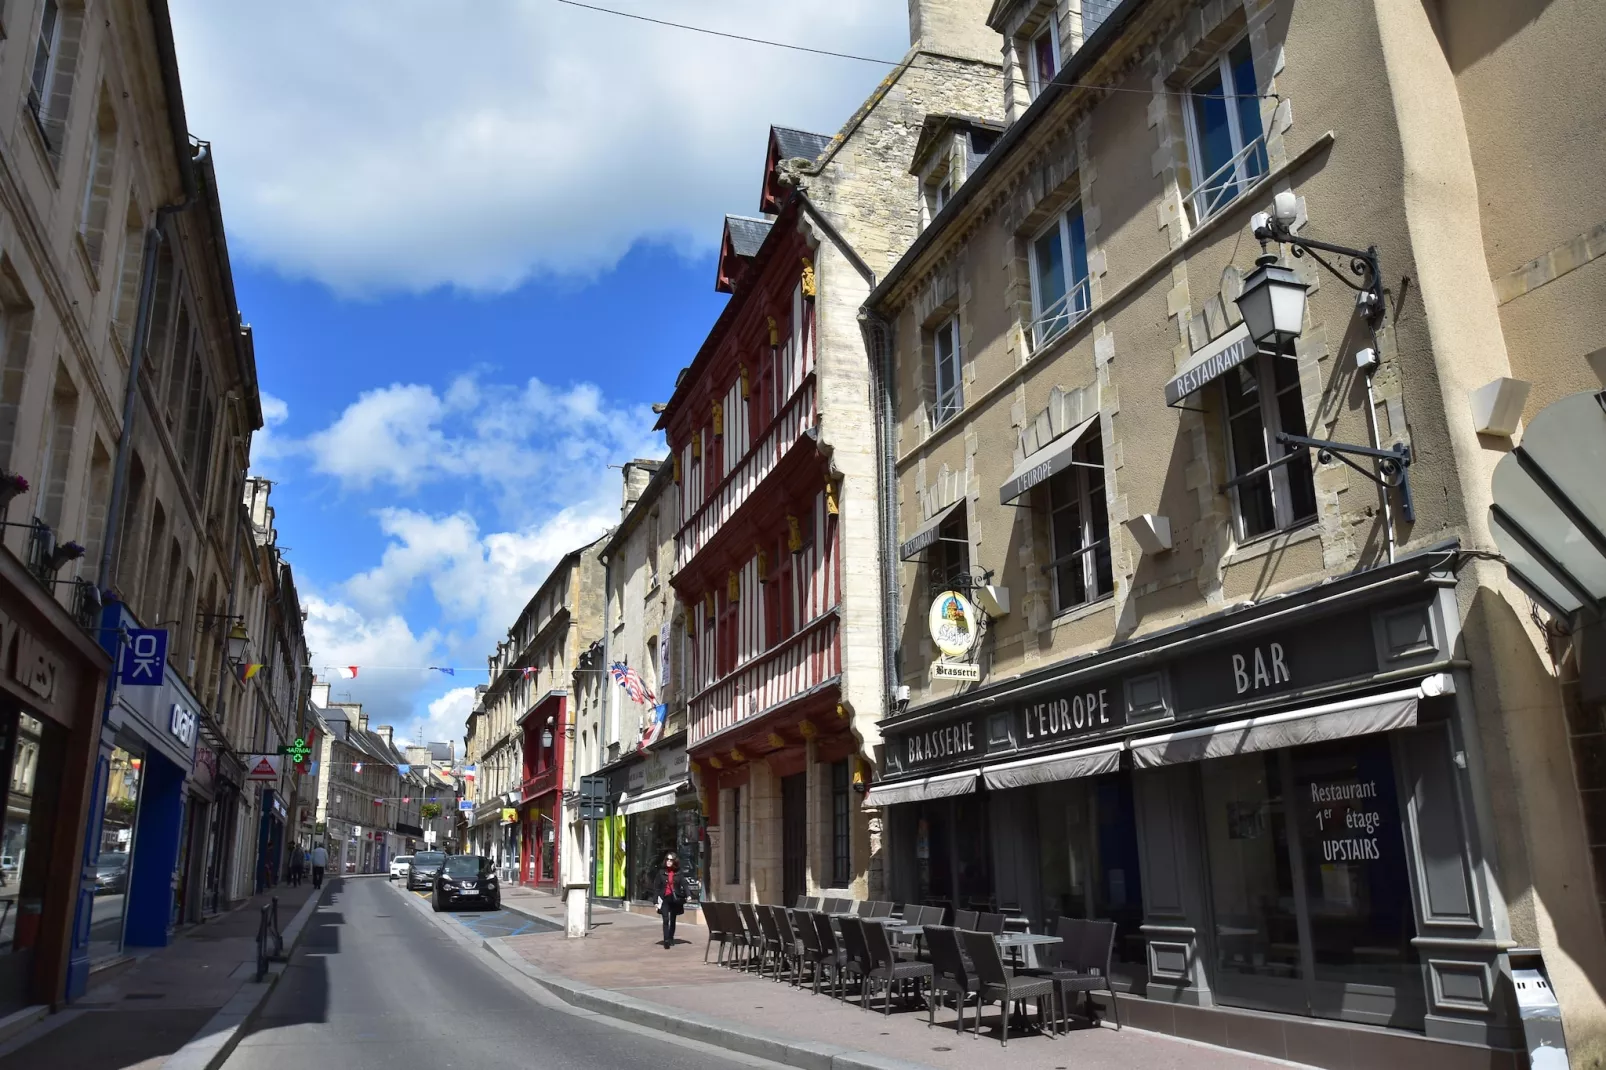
(51, 504)
(1079, 529)
(1060, 294)
(16, 327)
(1261, 398)
(1043, 62)
(950, 389)
(1226, 145)
(92, 215)
(949, 557)
(841, 830)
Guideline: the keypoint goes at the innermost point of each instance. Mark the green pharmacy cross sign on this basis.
(298, 752)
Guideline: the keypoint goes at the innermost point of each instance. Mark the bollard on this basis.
(574, 901)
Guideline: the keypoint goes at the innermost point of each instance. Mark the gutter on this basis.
(1080, 63)
(244, 347)
(878, 343)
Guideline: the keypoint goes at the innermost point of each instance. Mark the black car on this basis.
(467, 878)
(421, 871)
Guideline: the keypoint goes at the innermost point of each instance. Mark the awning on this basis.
(1210, 363)
(932, 787)
(1048, 461)
(1090, 761)
(656, 799)
(927, 533)
(1314, 724)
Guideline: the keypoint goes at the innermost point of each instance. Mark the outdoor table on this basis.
(1019, 942)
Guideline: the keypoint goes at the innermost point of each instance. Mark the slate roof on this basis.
(746, 233)
(799, 143)
(440, 752)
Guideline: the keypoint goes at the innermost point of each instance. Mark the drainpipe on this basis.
(878, 338)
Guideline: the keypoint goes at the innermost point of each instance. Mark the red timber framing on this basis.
(541, 792)
(758, 562)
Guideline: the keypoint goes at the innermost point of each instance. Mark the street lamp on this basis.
(237, 642)
(1273, 304)
(546, 734)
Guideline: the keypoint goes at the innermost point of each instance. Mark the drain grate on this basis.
(146, 995)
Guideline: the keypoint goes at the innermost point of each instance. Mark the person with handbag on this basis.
(672, 892)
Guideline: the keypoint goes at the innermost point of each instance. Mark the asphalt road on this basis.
(376, 985)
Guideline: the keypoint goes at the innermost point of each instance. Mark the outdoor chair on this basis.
(755, 933)
(736, 931)
(836, 906)
(881, 910)
(791, 947)
(772, 939)
(1086, 952)
(812, 953)
(949, 973)
(997, 985)
(965, 920)
(812, 903)
(887, 967)
(714, 919)
(858, 956)
(832, 957)
(990, 923)
(802, 903)
(861, 908)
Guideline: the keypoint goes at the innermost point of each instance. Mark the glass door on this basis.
(1311, 899)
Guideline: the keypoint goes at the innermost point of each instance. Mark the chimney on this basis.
(954, 28)
(637, 475)
(384, 731)
(320, 694)
(362, 720)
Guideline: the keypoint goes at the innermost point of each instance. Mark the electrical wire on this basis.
(889, 62)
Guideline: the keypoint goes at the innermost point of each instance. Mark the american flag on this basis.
(631, 681)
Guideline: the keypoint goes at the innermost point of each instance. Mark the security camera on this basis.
(1259, 222)
(1285, 208)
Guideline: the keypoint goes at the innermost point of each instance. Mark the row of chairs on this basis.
(961, 962)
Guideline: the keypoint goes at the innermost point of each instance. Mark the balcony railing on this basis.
(794, 421)
(777, 676)
(1062, 315)
(1225, 183)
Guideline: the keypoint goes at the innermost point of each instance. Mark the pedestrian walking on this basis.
(672, 892)
(296, 862)
(320, 859)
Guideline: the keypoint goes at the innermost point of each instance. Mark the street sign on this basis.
(263, 767)
(298, 752)
(593, 798)
(465, 804)
(143, 658)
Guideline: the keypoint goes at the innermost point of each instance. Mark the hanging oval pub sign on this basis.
(953, 622)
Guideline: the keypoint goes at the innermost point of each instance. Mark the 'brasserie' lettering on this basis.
(942, 743)
(1058, 717)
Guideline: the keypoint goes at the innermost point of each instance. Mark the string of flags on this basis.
(349, 672)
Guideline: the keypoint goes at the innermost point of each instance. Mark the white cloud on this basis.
(266, 446)
(445, 721)
(384, 647)
(378, 145)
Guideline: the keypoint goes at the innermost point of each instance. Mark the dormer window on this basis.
(1043, 59)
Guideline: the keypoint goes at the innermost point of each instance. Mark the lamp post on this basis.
(1273, 308)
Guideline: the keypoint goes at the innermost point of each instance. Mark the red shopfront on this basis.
(541, 811)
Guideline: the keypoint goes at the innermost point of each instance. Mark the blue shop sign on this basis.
(144, 659)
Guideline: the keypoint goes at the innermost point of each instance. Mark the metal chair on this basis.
(791, 944)
(965, 920)
(990, 923)
(836, 906)
(772, 940)
(832, 957)
(881, 910)
(802, 903)
(812, 953)
(998, 985)
(949, 973)
(714, 919)
(858, 956)
(1087, 951)
(887, 967)
(740, 939)
(812, 903)
(755, 933)
(861, 908)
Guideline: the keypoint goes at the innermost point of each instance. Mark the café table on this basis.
(1016, 943)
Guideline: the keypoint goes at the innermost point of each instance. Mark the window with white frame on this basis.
(1060, 295)
(946, 358)
(1271, 486)
(948, 559)
(1043, 56)
(50, 81)
(1079, 529)
(1226, 145)
(45, 54)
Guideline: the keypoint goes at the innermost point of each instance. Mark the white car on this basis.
(398, 866)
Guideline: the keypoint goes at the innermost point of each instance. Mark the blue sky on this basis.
(475, 242)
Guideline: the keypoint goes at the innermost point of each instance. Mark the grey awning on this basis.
(1335, 720)
(1048, 461)
(931, 787)
(1089, 761)
(927, 534)
(1210, 363)
(656, 799)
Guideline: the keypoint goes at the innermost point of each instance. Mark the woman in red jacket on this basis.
(672, 892)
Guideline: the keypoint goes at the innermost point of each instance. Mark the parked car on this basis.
(111, 873)
(466, 878)
(422, 869)
(399, 864)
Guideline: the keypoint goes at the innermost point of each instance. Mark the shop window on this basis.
(1061, 296)
(1226, 146)
(841, 828)
(948, 559)
(1262, 398)
(946, 373)
(1088, 860)
(124, 776)
(1079, 527)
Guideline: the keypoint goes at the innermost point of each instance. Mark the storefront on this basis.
(545, 728)
(1274, 805)
(661, 814)
(146, 812)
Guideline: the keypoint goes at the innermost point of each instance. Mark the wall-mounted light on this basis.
(1497, 406)
(1152, 533)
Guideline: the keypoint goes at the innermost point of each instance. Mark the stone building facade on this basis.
(1153, 651)
(773, 441)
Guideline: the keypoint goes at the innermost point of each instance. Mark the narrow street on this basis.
(374, 985)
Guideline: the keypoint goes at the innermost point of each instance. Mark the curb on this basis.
(805, 1054)
(212, 1046)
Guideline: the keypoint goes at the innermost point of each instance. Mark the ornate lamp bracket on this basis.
(1363, 264)
(1393, 464)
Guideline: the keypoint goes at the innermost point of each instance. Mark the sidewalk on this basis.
(622, 962)
(141, 1014)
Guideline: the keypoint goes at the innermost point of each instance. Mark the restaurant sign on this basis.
(954, 622)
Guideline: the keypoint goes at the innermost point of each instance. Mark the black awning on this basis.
(927, 534)
(1210, 363)
(1046, 462)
